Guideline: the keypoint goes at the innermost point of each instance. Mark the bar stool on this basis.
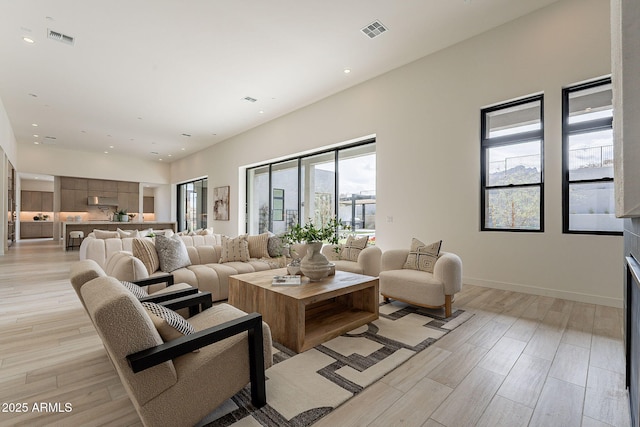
(73, 236)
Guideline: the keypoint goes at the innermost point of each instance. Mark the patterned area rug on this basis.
(302, 388)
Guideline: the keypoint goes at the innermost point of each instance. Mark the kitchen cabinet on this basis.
(36, 229)
(148, 204)
(74, 193)
(36, 201)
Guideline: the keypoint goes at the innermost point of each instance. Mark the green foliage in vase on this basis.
(328, 232)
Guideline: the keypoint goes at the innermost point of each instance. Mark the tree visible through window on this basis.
(511, 155)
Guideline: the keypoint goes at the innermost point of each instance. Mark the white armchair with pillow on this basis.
(421, 276)
(355, 256)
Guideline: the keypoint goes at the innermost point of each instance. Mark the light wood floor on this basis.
(521, 360)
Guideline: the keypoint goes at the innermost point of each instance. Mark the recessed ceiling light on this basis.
(106, 152)
(36, 142)
(111, 146)
(35, 135)
(169, 155)
(28, 40)
(160, 159)
(260, 112)
(347, 70)
(34, 124)
(183, 148)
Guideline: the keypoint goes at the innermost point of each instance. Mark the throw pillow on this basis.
(136, 290)
(351, 250)
(127, 233)
(422, 257)
(145, 251)
(258, 246)
(172, 253)
(104, 234)
(235, 249)
(275, 247)
(170, 325)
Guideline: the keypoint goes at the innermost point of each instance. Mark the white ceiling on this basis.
(143, 72)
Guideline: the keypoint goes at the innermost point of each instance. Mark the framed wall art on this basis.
(221, 203)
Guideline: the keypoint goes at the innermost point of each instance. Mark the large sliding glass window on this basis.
(192, 205)
(304, 189)
(587, 139)
(512, 158)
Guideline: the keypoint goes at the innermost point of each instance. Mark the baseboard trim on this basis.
(555, 293)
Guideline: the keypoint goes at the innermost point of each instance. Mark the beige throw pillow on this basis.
(422, 257)
(351, 250)
(105, 234)
(235, 249)
(145, 251)
(259, 246)
(127, 233)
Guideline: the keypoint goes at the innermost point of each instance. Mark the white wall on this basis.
(60, 162)
(8, 148)
(426, 116)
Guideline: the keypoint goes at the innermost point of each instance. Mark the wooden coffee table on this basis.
(301, 317)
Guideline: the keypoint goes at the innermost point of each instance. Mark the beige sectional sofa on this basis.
(206, 272)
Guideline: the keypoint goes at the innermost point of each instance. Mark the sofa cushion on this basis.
(124, 266)
(146, 252)
(127, 233)
(172, 253)
(235, 249)
(170, 325)
(258, 245)
(104, 234)
(422, 257)
(352, 248)
(135, 289)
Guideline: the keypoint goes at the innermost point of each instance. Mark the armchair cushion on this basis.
(145, 251)
(170, 325)
(422, 257)
(352, 248)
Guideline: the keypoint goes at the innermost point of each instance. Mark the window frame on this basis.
(486, 143)
(568, 130)
(204, 204)
(300, 159)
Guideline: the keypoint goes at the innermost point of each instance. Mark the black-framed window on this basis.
(192, 205)
(588, 205)
(512, 174)
(318, 186)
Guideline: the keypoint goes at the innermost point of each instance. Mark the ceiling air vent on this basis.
(374, 29)
(250, 99)
(62, 38)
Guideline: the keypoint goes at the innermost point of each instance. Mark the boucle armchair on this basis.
(368, 261)
(421, 288)
(180, 381)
